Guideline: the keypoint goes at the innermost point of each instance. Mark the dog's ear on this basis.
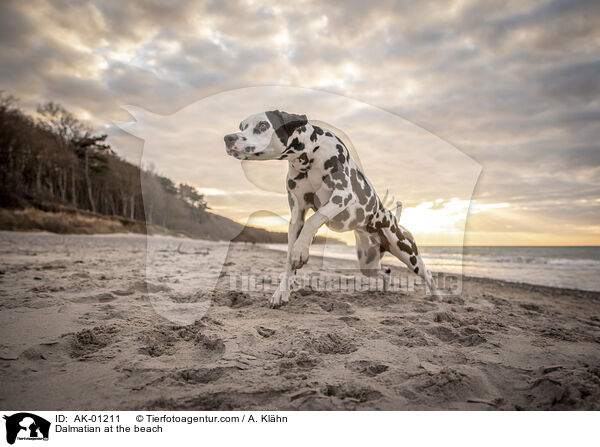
(285, 123)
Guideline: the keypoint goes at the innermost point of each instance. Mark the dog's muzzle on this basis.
(229, 145)
(230, 140)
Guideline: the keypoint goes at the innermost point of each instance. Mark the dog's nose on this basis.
(230, 139)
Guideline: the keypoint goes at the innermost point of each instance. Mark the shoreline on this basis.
(524, 285)
(592, 294)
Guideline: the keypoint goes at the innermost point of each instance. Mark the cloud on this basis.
(513, 84)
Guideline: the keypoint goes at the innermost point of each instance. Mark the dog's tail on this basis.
(398, 210)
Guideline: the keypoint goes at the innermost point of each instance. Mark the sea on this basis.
(565, 267)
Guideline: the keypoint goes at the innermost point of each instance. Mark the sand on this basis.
(82, 330)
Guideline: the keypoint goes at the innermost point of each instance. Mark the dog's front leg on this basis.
(282, 294)
(299, 254)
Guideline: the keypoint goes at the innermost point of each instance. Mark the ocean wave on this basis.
(516, 260)
(347, 252)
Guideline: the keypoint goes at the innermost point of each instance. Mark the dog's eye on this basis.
(261, 127)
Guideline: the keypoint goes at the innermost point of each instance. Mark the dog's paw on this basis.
(299, 255)
(436, 296)
(280, 297)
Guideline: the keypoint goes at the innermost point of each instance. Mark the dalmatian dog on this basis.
(323, 177)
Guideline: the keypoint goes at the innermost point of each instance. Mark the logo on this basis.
(256, 193)
(26, 427)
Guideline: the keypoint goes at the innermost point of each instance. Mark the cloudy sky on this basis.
(496, 102)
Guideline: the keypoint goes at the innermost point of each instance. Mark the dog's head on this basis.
(263, 136)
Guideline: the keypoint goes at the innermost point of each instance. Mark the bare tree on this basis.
(56, 159)
(90, 147)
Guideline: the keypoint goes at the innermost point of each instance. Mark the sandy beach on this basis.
(81, 330)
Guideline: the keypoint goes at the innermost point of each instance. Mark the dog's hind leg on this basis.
(368, 251)
(401, 243)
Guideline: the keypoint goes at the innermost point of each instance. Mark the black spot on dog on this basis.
(337, 200)
(295, 146)
(347, 200)
(384, 244)
(360, 215)
(291, 184)
(341, 153)
(316, 148)
(402, 234)
(340, 141)
(315, 134)
(371, 205)
(405, 248)
(413, 260)
(416, 269)
(328, 134)
(332, 164)
(398, 233)
(414, 246)
(327, 180)
(337, 223)
(301, 175)
(382, 223)
(303, 158)
(249, 149)
(285, 123)
(309, 198)
(340, 179)
(364, 181)
(312, 200)
(362, 193)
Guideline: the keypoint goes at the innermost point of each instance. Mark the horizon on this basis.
(501, 117)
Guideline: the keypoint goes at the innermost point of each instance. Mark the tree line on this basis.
(56, 158)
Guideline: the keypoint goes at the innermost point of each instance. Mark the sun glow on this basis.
(432, 223)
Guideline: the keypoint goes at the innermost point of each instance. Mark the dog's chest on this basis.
(303, 182)
(301, 164)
